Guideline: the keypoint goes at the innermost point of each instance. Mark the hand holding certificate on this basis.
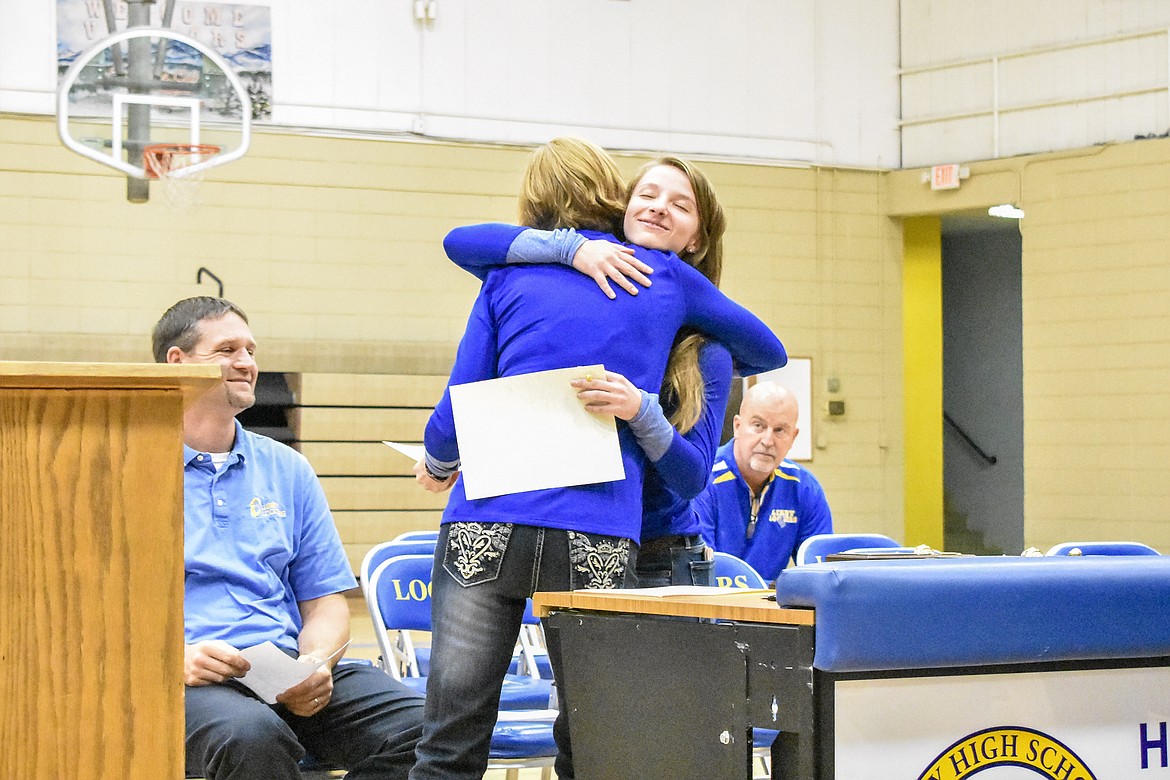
(531, 432)
(273, 672)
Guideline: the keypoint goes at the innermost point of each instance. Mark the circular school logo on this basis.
(1004, 746)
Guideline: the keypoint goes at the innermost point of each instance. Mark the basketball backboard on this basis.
(147, 86)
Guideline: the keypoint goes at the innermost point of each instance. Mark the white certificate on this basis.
(531, 432)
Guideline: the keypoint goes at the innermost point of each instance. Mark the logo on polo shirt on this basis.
(1005, 746)
(261, 508)
(782, 517)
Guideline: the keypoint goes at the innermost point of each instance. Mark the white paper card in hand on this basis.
(531, 432)
(273, 672)
(412, 451)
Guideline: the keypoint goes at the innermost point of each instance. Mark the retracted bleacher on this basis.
(339, 422)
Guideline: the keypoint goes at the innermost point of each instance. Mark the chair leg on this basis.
(546, 773)
(512, 774)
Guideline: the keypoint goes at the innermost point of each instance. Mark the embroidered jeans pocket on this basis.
(598, 561)
(475, 551)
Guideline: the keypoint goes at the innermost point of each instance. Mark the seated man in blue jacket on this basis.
(758, 506)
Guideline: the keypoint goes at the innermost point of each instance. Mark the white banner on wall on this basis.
(1077, 725)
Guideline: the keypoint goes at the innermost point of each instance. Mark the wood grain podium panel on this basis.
(91, 618)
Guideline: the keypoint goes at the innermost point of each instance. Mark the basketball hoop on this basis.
(174, 165)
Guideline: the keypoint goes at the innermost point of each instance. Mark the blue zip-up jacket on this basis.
(792, 508)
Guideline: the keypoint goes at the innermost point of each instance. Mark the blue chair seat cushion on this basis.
(523, 739)
(977, 611)
(519, 692)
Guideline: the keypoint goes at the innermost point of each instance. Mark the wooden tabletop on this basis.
(751, 606)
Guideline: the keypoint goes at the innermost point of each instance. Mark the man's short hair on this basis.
(179, 326)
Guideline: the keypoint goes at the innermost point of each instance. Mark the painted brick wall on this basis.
(333, 248)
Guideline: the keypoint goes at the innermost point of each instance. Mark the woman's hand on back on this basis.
(604, 261)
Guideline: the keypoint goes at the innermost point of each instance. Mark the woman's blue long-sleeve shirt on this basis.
(664, 510)
(666, 492)
(536, 318)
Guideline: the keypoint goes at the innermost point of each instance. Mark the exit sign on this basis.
(944, 177)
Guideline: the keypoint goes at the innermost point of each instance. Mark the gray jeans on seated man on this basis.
(370, 727)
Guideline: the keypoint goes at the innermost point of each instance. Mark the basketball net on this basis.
(168, 163)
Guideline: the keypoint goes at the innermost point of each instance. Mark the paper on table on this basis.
(667, 591)
(273, 671)
(412, 451)
(531, 432)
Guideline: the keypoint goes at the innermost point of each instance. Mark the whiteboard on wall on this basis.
(797, 377)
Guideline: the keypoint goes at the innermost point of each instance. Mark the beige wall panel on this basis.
(378, 493)
(344, 424)
(368, 390)
(333, 247)
(1095, 310)
(380, 526)
(355, 459)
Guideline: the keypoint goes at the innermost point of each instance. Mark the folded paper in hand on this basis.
(273, 671)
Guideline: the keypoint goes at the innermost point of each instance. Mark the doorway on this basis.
(983, 415)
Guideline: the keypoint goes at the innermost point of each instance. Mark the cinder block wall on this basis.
(1096, 332)
(333, 248)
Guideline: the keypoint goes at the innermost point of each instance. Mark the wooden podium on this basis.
(91, 569)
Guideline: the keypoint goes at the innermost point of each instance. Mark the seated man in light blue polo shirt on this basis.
(264, 563)
(759, 506)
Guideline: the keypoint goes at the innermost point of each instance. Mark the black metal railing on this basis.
(982, 453)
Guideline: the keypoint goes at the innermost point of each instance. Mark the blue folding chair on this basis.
(532, 658)
(373, 557)
(818, 546)
(417, 536)
(1102, 548)
(732, 572)
(385, 550)
(400, 602)
(522, 739)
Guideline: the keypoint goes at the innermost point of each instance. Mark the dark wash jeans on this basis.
(482, 575)
(674, 560)
(370, 727)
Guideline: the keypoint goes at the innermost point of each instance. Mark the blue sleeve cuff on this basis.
(651, 428)
(545, 246)
(439, 468)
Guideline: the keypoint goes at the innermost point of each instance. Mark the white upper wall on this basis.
(813, 81)
(997, 78)
(782, 80)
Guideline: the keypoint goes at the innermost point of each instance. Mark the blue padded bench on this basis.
(978, 611)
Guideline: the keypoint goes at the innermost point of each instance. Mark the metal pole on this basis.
(141, 72)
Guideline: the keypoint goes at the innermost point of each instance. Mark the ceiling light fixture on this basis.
(1007, 211)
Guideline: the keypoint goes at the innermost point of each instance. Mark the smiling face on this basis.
(226, 341)
(662, 212)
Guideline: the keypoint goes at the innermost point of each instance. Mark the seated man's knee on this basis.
(240, 741)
